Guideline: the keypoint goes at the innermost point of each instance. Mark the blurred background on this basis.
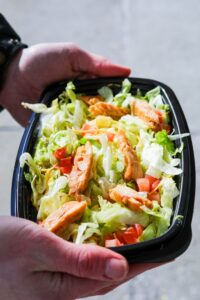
(158, 39)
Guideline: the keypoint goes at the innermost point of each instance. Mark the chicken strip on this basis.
(143, 110)
(107, 109)
(91, 100)
(80, 174)
(129, 197)
(133, 168)
(68, 213)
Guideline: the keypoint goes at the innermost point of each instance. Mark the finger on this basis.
(89, 261)
(96, 65)
(103, 67)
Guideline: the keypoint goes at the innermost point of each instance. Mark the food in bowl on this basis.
(102, 171)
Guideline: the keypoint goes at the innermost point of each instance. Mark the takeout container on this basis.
(177, 238)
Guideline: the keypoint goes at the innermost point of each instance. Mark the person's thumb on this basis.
(88, 261)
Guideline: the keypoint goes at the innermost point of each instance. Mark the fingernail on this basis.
(116, 269)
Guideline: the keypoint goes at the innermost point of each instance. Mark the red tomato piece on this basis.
(66, 165)
(151, 179)
(154, 196)
(109, 236)
(155, 185)
(64, 162)
(130, 236)
(143, 184)
(139, 229)
(110, 136)
(120, 236)
(60, 153)
(167, 127)
(160, 115)
(64, 170)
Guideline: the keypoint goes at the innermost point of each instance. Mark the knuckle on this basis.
(85, 263)
(72, 48)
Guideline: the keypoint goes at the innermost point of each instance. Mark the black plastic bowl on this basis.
(177, 239)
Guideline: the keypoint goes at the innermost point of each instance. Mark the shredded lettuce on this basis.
(41, 155)
(169, 192)
(52, 123)
(152, 160)
(120, 97)
(80, 114)
(178, 136)
(63, 138)
(126, 86)
(161, 214)
(153, 93)
(149, 233)
(162, 138)
(37, 107)
(70, 91)
(41, 107)
(37, 178)
(54, 198)
(85, 231)
(106, 93)
(115, 213)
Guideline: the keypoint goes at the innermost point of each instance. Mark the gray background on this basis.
(158, 39)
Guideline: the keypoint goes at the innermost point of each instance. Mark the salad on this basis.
(102, 171)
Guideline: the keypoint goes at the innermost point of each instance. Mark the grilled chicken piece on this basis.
(129, 197)
(68, 213)
(80, 174)
(133, 167)
(107, 109)
(143, 110)
(91, 100)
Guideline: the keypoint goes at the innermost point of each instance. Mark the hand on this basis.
(36, 264)
(34, 68)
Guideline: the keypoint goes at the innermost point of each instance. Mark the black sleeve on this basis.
(10, 44)
(6, 31)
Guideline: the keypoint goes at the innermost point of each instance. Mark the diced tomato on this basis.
(110, 136)
(64, 170)
(160, 116)
(154, 196)
(113, 243)
(151, 179)
(129, 238)
(155, 185)
(130, 235)
(60, 153)
(109, 236)
(124, 237)
(143, 185)
(64, 162)
(167, 127)
(66, 165)
(139, 229)
(120, 236)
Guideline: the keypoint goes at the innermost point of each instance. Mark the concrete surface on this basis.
(158, 39)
